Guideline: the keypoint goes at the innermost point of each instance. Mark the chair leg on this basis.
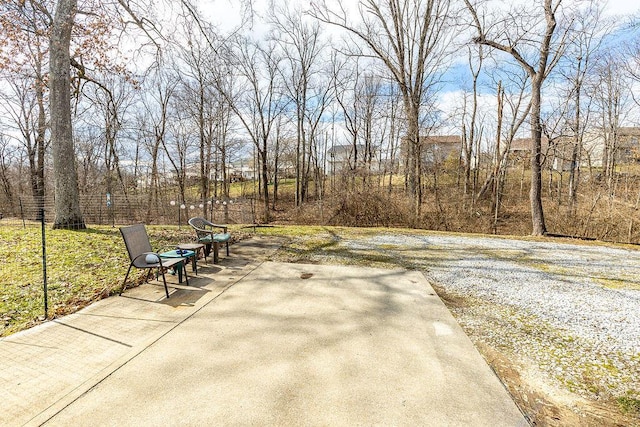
(227, 248)
(166, 289)
(124, 284)
(184, 268)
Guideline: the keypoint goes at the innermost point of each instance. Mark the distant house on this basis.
(628, 145)
(625, 142)
(241, 171)
(557, 153)
(439, 148)
(343, 157)
(563, 148)
(520, 149)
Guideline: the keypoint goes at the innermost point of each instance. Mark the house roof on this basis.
(441, 139)
(524, 144)
(629, 131)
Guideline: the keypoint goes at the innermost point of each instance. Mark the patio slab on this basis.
(294, 344)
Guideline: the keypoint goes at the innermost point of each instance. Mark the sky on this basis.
(226, 14)
(622, 7)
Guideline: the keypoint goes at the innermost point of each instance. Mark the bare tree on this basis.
(224, 146)
(612, 101)
(178, 143)
(63, 24)
(632, 53)
(358, 94)
(321, 94)
(259, 102)
(518, 107)
(156, 119)
(201, 100)
(514, 35)
(277, 151)
(6, 178)
(111, 97)
(392, 111)
(411, 40)
(591, 30)
(346, 86)
(301, 42)
(25, 108)
(67, 200)
(470, 124)
(25, 28)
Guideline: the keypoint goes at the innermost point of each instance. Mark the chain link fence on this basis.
(24, 233)
(120, 210)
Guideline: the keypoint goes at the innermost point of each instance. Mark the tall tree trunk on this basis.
(298, 159)
(538, 75)
(5, 178)
(535, 195)
(265, 179)
(205, 150)
(276, 165)
(67, 203)
(498, 160)
(152, 197)
(574, 172)
(414, 157)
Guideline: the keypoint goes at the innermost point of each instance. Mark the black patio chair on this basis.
(206, 232)
(142, 256)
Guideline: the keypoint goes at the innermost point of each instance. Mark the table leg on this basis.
(179, 267)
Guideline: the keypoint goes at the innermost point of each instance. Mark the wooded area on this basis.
(476, 116)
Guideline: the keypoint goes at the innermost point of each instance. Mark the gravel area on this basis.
(571, 309)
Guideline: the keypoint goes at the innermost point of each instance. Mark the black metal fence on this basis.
(118, 210)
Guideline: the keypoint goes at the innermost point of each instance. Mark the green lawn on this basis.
(82, 266)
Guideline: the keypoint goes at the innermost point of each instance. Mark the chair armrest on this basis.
(202, 230)
(223, 226)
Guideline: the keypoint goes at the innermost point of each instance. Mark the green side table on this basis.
(196, 247)
(179, 253)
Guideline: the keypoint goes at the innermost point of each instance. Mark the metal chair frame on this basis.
(138, 246)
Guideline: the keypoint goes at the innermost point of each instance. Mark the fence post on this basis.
(24, 225)
(44, 265)
(111, 214)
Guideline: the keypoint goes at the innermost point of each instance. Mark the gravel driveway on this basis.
(570, 310)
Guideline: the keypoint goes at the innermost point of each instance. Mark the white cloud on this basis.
(621, 7)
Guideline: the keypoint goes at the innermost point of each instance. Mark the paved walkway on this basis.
(256, 343)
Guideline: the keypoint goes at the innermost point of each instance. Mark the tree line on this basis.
(131, 97)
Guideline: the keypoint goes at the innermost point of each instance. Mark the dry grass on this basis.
(602, 212)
